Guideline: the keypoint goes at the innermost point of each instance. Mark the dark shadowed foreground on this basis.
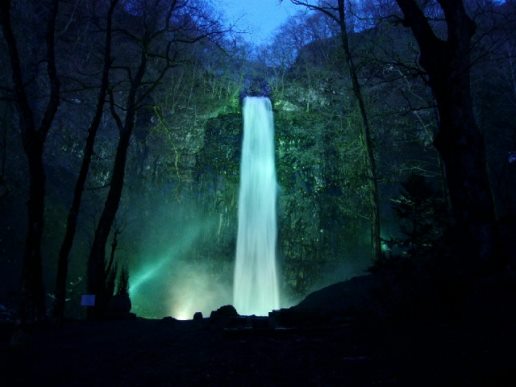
(474, 346)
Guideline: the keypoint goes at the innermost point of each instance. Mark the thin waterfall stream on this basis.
(255, 289)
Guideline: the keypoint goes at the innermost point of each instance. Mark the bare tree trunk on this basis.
(138, 92)
(3, 160)
(338, 15)
(33, 294)
(32, 304)
(97, 258)
(372, 176)
(459, 140)
(73, 213)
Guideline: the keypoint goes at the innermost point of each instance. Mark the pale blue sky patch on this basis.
(258, 17)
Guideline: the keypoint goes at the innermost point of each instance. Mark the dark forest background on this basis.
(120, 131)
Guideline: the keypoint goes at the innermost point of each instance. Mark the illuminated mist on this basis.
(255, 281)
(167, 277)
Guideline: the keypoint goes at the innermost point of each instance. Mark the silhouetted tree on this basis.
(154, 34)
(33, 134)
(73, 213)
(459, 140)
(421, 212)
(337, 13)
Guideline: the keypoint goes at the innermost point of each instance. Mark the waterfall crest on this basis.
(255, 289)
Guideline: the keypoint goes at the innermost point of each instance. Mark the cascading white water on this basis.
(255, 289)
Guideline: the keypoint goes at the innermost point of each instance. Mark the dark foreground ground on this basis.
(404, 328)
(165, 352)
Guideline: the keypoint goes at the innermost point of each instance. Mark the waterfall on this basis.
(255, 289)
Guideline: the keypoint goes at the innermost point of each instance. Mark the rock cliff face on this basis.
(256, 87)
(217, 176)
(314, 229)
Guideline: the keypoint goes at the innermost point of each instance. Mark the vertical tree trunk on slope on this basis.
(32, 303)
(156, 42)
(73, 213)
(372, 177)
(459, 139)
(338, 15)
(97, 258)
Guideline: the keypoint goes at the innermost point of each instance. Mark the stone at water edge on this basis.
(168, 319)
(224, 312)
(198, 316)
